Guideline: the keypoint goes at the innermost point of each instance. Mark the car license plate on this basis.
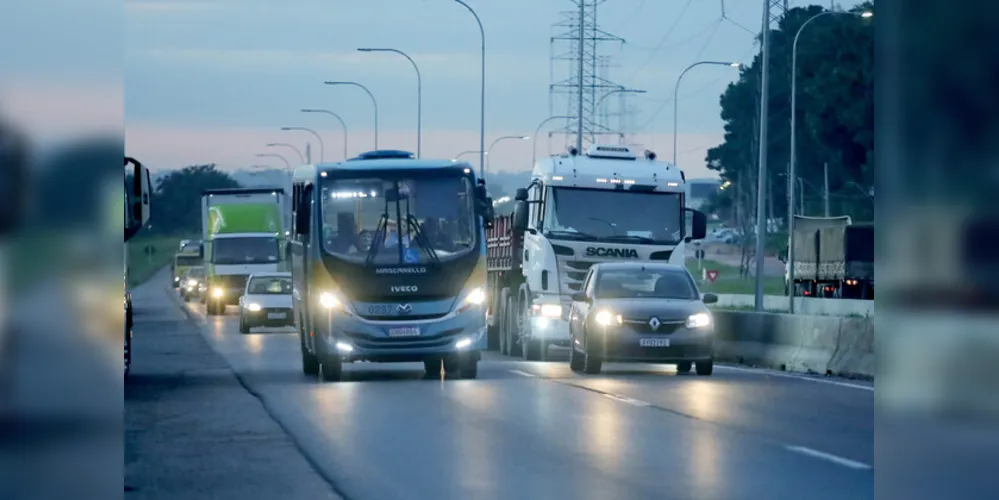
(276, 315)
(653, 342)
(404, 332)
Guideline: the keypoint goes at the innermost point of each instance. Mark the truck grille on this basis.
(230, 281)
(571, 274)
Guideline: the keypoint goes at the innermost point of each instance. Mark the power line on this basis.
(661, 41)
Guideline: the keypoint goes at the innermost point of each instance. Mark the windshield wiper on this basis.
(421, 238)
(378, 239)
(570, 234)
(628, 237)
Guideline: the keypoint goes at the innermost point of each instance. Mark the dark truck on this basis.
(504, 247)
(835, 262)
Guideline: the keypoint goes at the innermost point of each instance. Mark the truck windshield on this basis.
(188, 260)
(614, 216)
(399, 219)
(248, 250)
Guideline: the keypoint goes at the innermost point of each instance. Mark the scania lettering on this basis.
(604, 205)
(388, 263)
(623, 253)
(243, 231)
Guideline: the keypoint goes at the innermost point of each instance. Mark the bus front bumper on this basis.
(357, 339)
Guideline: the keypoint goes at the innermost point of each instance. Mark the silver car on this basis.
(266, 301)
(641, 312)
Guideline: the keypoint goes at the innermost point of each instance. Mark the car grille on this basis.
(666, 326)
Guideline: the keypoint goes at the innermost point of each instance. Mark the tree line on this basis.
(835, 121)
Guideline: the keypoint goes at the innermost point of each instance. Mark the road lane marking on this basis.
(845, 462)
(626, 399)
(799, 377)
(524, 374)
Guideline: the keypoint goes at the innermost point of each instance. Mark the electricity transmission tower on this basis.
(575, 48)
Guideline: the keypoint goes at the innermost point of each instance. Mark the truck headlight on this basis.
(699, 320)
(252, 307)
(550, 311)
(192, 283)
(218, 292)
(607, 318)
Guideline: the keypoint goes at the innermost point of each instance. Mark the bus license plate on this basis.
(653, 342)
(404, 332)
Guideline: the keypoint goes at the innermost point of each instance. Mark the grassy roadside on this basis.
(143, 265)
(729, 282)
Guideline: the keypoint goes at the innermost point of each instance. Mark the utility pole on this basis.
(825, 168)
(579, 76)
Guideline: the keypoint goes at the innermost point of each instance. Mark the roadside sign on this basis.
(699, 254)
(712, 275)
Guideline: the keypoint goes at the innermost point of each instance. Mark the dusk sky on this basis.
(212, 81)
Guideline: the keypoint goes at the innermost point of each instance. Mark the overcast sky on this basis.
(214, 80)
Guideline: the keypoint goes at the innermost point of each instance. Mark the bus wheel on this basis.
(469, 367)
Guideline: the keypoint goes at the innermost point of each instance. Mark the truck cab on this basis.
(388, 263)
(606, 204)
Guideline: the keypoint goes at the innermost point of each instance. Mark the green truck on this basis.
(242, 233)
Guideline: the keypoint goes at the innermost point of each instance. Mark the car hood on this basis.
(268, 300)
(644, 309)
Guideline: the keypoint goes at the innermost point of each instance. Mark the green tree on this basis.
(835, 115)
(177, 198)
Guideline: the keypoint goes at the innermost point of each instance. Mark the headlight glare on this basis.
(329, 300)
(476, 297)
(217, 292)
(253, 307)
(607, 318)
(551, 310)
(699, 320)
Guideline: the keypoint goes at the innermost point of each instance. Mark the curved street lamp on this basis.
(419, 95)
(482, 99)
(292, 147)
(374, 102)
(676, 97)
(275, 155)
(534, 143)
(342, 124)
(313, 132)
(504, 138)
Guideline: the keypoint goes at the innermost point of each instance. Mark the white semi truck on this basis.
(607, 204)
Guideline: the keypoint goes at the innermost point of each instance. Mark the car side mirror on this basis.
(579, 297)
(710, 298)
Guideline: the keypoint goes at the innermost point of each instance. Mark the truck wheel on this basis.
(500, 317)
(310, 365)
(469, 367)
(530, 349)
(705, 368)
(512, 333)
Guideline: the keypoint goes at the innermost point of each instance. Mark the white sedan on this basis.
(266, 301)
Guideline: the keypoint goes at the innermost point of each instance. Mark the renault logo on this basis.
(654, 323)
(404, 308)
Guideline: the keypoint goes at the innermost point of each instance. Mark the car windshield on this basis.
(188, 260)
(406, 219)
(248, 250)
(269, 285)
(614, 216)
(197, 272)
(639, 284)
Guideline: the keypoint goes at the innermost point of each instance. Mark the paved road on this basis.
(537, 430)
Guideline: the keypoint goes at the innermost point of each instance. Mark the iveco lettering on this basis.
(371, 228)
(581, 208)
(624, 253)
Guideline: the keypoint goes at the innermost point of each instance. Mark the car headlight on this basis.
(192, 283)
(330, 301)
(699, 320)
(607, 318)
(217, 292)
(253, 307)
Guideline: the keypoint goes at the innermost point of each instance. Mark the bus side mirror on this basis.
(142, 191)
(520, 212)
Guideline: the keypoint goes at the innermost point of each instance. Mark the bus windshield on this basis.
(399, 219)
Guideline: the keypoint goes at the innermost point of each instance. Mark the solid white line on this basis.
(625, 399)
(799, 377)
(523, 374)
(845, 462)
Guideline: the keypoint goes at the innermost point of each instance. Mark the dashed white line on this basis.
(845, 462)
(524, 374)
(799, 377)
(625, 399)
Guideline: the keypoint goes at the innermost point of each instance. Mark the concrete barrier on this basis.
(802, 305)
(828, 345)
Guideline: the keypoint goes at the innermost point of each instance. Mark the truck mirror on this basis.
(488, 213)
(710, 298)
(520, 216)
(698, 226)
(521, 194)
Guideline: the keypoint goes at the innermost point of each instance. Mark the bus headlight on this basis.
(329, 300)
(607, 318)
(476, 297)
(699, 320)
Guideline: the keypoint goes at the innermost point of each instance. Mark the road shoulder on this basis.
(191, 429)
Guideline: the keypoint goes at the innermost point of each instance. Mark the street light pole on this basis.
(373, 102)
(761, 181)
(534, 143)
(676, 96)
(482, 99)
(419, 95)
(793, 164)
(463, 153)
(506, 137)
(342, 124)
(275, 155)
(301, 158)
(313, 132)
